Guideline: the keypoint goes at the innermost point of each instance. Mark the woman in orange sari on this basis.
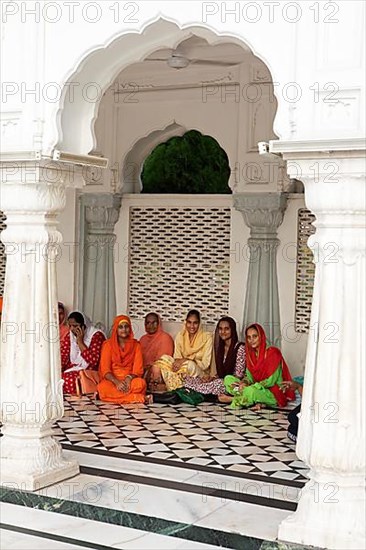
(121, 366)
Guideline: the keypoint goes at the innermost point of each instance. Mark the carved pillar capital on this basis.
(101, 211)
(262, 212)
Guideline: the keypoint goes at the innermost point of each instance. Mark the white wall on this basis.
(323, 46)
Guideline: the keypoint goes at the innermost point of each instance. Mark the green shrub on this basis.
(192, 163)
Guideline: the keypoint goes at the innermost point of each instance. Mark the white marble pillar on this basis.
(331, 439)
(32, 193)
(263, 214)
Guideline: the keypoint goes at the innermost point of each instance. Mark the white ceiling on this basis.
(222, 58)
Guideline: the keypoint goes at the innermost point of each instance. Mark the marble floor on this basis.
(162, 476)
(210, 435)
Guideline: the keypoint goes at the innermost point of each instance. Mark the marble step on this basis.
(169, 500)
(279, 477)
(184, 505)
(34, 529)
(239, 487)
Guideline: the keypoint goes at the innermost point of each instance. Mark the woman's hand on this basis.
(239, 386)
(120, 385)
(123, 385)
(178, 363)
(291, 385)
(79, 334)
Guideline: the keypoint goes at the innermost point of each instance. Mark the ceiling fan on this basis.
(176, 60)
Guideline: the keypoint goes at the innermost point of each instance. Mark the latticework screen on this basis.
(305, 271)
(2, 254)
(179, 259)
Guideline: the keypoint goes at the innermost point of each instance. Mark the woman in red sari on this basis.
(80, 349)
(266, 371)
(121, 366)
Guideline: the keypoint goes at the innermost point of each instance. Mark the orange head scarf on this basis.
(124, 357)
(63, 327)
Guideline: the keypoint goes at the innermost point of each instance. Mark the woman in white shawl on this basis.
(81, 350)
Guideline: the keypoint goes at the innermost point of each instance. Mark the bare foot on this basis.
(257, 407)
(149, 399)
(223, 398)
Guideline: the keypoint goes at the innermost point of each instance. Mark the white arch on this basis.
(132, 164)
(130, 181)
(76, 114)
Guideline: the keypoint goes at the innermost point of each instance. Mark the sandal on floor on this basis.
(223, 398)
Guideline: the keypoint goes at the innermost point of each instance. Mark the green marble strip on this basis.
(134, 521)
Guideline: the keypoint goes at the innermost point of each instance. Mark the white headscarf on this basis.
(76, 358)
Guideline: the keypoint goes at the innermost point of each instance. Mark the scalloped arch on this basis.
(132, 165)
(76, 114)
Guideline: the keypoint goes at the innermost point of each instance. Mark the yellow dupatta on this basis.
(194, 350)
(198, 355)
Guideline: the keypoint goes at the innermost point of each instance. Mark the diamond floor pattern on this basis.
(209, 435)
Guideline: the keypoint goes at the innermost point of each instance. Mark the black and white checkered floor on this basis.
(209, 436)
(162, 476)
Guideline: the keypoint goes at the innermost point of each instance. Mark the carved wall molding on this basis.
(30, 198)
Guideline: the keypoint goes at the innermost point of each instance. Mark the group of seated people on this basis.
(243, 374)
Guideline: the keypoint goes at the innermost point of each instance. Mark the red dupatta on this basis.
(264, 364)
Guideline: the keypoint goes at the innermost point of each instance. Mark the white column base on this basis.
(330, 514)
(30, 463)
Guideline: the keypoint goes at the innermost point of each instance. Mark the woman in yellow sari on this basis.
(192, 354)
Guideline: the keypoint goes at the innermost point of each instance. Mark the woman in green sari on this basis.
(266, 371)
